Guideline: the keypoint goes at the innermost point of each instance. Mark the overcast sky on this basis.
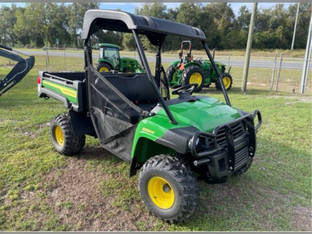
(130, 7)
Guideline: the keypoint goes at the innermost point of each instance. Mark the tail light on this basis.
(38, 80)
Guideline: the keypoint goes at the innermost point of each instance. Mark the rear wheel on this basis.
(171, 73)
(193, 75)
(104, 67)
(227, 81)
(168, 188)
(63, 137)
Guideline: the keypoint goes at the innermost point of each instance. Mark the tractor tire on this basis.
(227, 81)
(193, 74)
(168, 188)
(63, 137)
(104, 67)
(170, 72)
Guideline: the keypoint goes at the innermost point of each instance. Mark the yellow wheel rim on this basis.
(104, 69)
(196, 78)
(226, 82)
(59, 137)
(160, 192)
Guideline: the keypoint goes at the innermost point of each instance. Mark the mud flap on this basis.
(18, 72)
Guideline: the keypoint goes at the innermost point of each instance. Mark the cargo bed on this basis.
(67, 87)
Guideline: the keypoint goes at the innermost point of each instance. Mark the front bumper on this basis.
(229, 148)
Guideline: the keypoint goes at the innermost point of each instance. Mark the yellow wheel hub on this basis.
(226, 82)
(196, 78)
(59, 137)
(104, 69)
(160, 192)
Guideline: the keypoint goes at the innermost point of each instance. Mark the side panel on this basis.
(70, 92)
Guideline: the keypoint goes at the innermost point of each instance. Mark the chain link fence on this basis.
(278, 73)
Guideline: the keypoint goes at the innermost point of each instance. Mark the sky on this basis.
(130, 6)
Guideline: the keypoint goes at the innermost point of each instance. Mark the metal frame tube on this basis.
(150, 77)
(214, 66)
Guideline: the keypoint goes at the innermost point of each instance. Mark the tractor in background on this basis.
(198, 71)
(109, 60)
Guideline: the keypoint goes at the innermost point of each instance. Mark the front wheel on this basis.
(104, 67)
(63, 137)
(168, 188)
(227, 82)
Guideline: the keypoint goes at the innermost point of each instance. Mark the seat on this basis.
(137, 88)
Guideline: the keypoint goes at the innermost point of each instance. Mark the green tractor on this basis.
(109, 59)
(196, 71)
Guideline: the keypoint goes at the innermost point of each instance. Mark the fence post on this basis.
(279, 71)
(64, 60)
(273, 72)
(47, 57)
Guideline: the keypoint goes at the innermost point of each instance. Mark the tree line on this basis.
(50, 24)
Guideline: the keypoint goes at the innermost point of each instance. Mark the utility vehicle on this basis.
(109, 59)
(198, 71)
(169, 141)
(19, 71)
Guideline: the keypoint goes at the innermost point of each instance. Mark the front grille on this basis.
(241, 154)
(237, 130)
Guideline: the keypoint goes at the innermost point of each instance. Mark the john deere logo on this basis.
(147, 130)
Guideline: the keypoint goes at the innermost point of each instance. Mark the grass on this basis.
(42, 190)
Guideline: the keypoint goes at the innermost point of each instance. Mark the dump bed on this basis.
(67, 87)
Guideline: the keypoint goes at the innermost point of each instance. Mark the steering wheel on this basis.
(189, 88)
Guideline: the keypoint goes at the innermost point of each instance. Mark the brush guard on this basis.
(228, 152)
(19, 71)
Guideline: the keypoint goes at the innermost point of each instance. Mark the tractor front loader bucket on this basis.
(18, 72)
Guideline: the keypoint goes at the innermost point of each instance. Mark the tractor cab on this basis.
(109, 57)
(110, 60)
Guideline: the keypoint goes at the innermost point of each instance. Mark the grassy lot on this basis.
(42, 190)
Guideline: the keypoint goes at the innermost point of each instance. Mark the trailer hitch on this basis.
(19, 71)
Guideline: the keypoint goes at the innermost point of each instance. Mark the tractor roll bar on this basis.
(150, 77)
(226, 97)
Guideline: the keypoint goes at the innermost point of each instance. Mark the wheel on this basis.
(227, 81)
(168, 188)
(171, 73)
(104, 67)
(193, 75)
(63, 137)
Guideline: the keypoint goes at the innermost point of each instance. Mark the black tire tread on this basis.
(218, 86)
(72, 143)
(170, 71)
(103, 63)
(188, 71)
(176, 168)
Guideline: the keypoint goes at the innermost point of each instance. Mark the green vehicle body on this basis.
(205, 115)
(164, 139)
(122, 64)
(209, 73)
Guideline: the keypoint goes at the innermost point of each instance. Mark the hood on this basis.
(205, 114)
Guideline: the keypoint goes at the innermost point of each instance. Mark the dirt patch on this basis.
(74, 194)
(303, 218)
(304, 99)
